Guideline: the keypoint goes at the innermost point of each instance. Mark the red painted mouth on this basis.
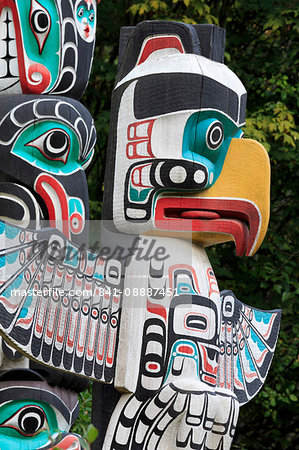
(68, 442)
(87, 31)
(235, 217)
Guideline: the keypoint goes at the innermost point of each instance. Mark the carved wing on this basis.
(247, 344)
(59, 304)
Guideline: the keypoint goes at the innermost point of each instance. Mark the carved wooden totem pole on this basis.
(180, 174)
(46, 140)
(175, 357)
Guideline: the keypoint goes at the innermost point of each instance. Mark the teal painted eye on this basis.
(80, 11)
(50, 146)
(28, 421)
(54, 145)
(26, 425)
(206, 140)
(40, 23)
(91, 17)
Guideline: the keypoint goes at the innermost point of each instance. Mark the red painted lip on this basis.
(71, 441)
(236, 217)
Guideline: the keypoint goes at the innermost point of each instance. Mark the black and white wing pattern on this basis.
(59, 305)
(247, 344)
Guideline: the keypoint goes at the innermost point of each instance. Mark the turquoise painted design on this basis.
(207, 142)
(27, 304)
(139, 195)
(8, 259)
(8, 231)
(71, 256)
(76, 215)
(262, 316)
(98, 276)
(41, 34)
(257, 340)
(185, 288)
(75, 205)
(175, 352)
(51, 146)
(238, 365)
(27, 424)
(14, 285)
(249, 359)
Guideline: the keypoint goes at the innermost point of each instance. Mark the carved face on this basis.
(47, 42)
(85, 19)
(34, 416)
(46, 143)
(178, 157)
(170, 137)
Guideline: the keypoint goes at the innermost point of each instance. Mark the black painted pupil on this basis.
(58, 140)
(42, 20)
(216, 135)
(31, 420)
(30, 425)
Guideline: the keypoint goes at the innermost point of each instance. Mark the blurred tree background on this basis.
(261, 49)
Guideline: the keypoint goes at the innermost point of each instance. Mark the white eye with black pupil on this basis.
(80, 12)
(91, 17)
(56, 143)
(31, 420)
(40, 21)
(215, 135)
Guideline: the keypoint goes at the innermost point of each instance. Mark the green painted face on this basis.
(85, 19)
(27, 424)
(41, 36)
(51, 146)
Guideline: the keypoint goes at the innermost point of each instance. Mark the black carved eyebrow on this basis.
(40, 392)
(82, 3)
(88, 6)
(162, 93)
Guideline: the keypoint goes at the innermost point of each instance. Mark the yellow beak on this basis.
(236, 208)
(245, 176)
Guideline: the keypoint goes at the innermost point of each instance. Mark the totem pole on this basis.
(181, 176)
(175, 357)
(46, 141)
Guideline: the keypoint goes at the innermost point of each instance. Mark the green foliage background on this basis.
(261, 49)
